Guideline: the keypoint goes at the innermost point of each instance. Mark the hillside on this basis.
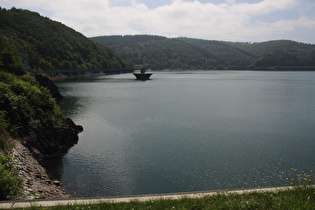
(52, 45)
(159, 52)
(33, 129)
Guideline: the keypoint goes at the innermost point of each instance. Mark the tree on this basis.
(46, 41)
(10, 61)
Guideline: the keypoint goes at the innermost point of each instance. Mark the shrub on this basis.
(3, 123)
(5, 141)
(26, 107)
(10, 183)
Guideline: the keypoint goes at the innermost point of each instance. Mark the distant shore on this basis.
(74, 76)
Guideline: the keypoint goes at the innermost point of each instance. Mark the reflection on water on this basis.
(54, 167)
(188, 131)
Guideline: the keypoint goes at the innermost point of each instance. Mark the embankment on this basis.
(41, 132)
(36, 183)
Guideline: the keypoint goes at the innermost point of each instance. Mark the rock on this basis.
(36, 182)
(57, 183)
(38, 176)
(53, 142)
(50, 85)
(31, 154)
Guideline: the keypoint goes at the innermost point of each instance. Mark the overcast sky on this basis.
(228, 20)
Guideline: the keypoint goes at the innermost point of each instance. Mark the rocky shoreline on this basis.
(52, 142)
(31, 152)
(36, 183)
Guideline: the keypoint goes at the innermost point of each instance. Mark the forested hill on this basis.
(52, 45)
(158, 52)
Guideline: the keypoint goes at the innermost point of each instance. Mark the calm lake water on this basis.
(188, 131)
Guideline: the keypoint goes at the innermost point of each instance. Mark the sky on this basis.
(225, 20)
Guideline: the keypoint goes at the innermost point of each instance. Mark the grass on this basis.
(300, 197)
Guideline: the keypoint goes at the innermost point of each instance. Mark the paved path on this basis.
(97, 200)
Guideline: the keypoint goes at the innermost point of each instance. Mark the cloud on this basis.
(212, 21)
(263, 7)
(228, 20)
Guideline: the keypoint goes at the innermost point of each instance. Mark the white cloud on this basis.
(229, 20)
(263, 7)
(305, 22)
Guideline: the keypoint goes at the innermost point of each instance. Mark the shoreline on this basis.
(35, 180)
(65, 76)
(77, 76)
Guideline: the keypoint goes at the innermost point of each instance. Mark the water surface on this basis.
(188, 131)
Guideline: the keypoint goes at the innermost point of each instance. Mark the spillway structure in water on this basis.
(142, 75)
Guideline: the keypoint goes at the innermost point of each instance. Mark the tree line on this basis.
(158, 52)
(52, 45)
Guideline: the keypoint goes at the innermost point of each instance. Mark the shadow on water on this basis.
(70, 105)
(54, 167)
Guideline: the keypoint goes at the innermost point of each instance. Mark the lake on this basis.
(188, 131)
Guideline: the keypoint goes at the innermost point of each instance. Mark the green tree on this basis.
(47, 41)
(10, 61)
(66, 65)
